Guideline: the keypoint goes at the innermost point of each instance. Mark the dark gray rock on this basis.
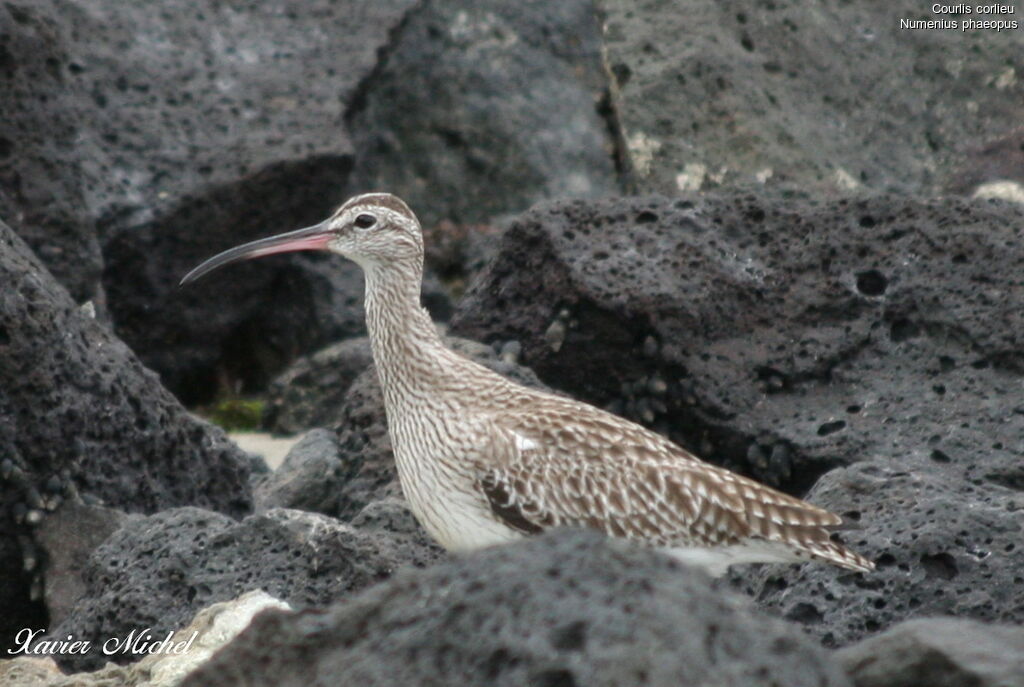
(79, 415)
(566, 609)
(392, 514)
(310, 391)
(311, 477)
(45, 156)
(66, 540)
(362, 432)
(807, 95)
(938, 652)
(776, 336)
(480, 109)
(942, 546)
(156, 572)
(21, 594)
(365, 448)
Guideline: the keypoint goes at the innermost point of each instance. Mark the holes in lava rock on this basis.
(886, 560)
(571, 637)
(804, 612)
(646, 217)
(555, 678)
(498, 662)
(831, 427)
(941, 565)
(622, 73)
(959, 259)
(872, 283)
(853, 409)
(946, 364)
(903, 329)
(6, 148)
(867, 221)
(940, 456)
(772, 381)
(939, 389)
(1011, 478)
(5, 337)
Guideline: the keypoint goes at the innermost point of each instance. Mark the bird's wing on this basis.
(628, 482)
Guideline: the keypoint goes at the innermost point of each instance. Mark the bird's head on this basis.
(373, 230)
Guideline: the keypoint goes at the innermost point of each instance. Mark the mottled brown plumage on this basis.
(483, 460)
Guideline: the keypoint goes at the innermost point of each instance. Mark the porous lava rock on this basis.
(156, 572)
(161, 134)
(805, 95)
(570, 608)
(309, 392)
(943, 546)
(80, 417)
(46, 173)
(939, 652)
(481, 109)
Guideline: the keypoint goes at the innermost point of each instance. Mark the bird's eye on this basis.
(365, 221)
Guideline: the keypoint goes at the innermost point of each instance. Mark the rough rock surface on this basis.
(66, 540)
(777, 336)
(484, 108)
(43, 188)
(943, 546)
(365, 448)
(938, 652)
(79, 415)
(567, 609)
(78, 410)
(310, 391)
(815, 95)
(156, 572)
(310, 477)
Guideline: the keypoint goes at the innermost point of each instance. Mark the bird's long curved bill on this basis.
(315, 237)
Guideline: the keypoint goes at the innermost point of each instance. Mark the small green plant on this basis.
(236, 414)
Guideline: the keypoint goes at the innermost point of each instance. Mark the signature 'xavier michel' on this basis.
(483, 460)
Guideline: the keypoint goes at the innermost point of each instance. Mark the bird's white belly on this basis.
(444, 497)
(455, 517)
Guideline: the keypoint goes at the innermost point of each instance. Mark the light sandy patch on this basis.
(272, 449)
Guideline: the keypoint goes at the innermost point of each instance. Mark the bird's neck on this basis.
(407, 349)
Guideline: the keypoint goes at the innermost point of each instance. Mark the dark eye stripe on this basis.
(365, 221)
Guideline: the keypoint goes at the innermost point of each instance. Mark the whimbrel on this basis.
(483, 460)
